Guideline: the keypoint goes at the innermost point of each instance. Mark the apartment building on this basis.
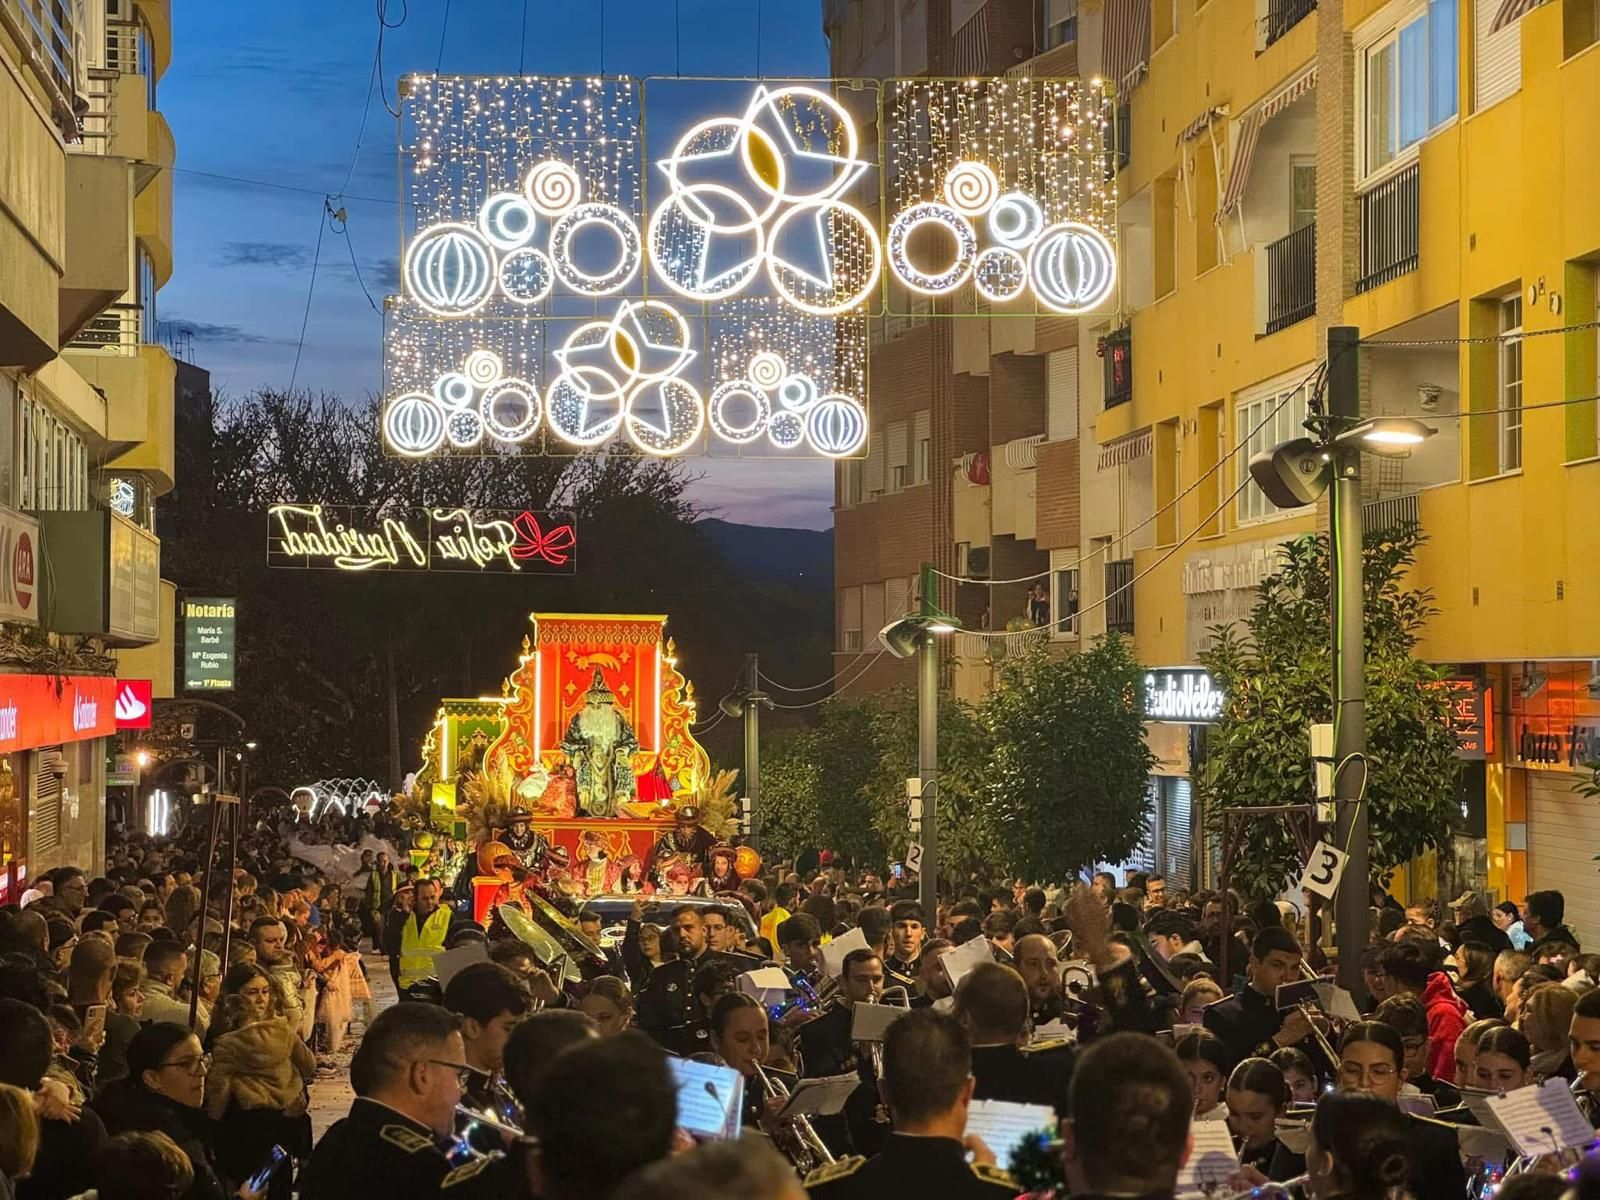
(86, 400)
(1422, 170)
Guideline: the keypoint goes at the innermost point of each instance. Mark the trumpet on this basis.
(875, 1049)
(498, 1124)
(1263, 1190)
(808, 1151)
(1323, 1044)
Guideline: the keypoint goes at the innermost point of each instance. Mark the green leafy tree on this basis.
(1277, 675)
(814, 783)
(1068, 781)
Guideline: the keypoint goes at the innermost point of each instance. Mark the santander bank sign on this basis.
(44, 710)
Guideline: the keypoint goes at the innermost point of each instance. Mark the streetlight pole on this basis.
(928, 746)
(751, 714)
(1346, 535)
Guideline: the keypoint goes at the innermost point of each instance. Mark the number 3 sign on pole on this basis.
(1324, 870)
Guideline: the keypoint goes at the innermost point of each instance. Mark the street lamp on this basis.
(745, 703)
(918, 634)
(1294, 474)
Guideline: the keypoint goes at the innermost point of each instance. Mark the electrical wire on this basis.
(339, 223)
(837, 691)
(444, 28)
(713, 723)
(1486, 339)
(311, 290)
(900, 604)
(1318, 374)
(522, 44)
(245, 181)
(383, 27)
(1468, 414)
(1106, 599)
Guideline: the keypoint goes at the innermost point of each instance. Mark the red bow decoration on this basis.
(532, 542)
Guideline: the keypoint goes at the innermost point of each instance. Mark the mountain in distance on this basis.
(800, 558)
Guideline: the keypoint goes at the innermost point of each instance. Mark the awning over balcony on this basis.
(1125, 450)
(1200, 124)
(1249, 134)
(1127, 42)
(969, 50)
(1512, 10)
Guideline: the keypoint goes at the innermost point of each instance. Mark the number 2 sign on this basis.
(1324, 870)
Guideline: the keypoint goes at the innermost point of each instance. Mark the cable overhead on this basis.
(840, 689)
(245, 181)
(311, 290)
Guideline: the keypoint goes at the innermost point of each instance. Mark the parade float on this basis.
(584, 775)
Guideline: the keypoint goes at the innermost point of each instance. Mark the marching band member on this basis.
(1257, 1096)
(992, 1004)
(1584, 1040)
(491, 1001)
(826, 1047)
(1205, 1060)
(908, 930)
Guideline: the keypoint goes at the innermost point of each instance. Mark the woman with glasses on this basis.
(162, 1093)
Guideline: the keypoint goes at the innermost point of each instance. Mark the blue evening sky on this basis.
(277, 98)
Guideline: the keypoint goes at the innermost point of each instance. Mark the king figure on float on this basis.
(600, 745)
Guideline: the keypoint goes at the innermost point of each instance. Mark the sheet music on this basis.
(1055, 1031)
(1295, 1135)
(767, 984)
(1336, 1001)
(1477, 1103)
(958, 962)
(821, 1097)
(1212, 1161)
(448, 962)
(833, 952)
(1488, 1144)
(870, 1022)
(1543, 1118)
(1002, 1124)
(1420, 1105)
(710, 1098)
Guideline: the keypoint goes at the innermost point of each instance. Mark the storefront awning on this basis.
(1125, 449)
(1127, 42)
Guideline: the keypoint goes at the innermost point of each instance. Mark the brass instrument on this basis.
(1269, 1188)
(1588, 1101)
(875, 1049)
(490, 1120)
(1323, 1044)
(803, 1147)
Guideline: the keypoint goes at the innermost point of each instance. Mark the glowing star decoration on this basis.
(971, 188)
(449, 270)
(577, 415)
(1016, 220)
(664, 417)
(999, 274)
(552, 187)
(738, 392)
(526, 276)
(767, 369)
(708, 240)
(628, 251)
(836, 426)
(507, 220)
(414, 425)
(964, 237)
(511, 409)
(1073, 268)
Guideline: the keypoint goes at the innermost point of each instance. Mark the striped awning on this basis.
(1288, 94)
(1510, 11)
(1244, 149)
(1200, 124)
(969, 49)
(1126, 51)
(1125, 449)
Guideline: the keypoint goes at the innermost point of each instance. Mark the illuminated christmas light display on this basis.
(357, 539)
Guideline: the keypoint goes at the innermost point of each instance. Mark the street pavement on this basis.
(331, 1093)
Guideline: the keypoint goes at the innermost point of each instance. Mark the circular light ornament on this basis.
(731, 431)
(999, 274)
(799, 287)
(804, 116)
(1073, 268)
(414, 425)
(464, 428)
(688, 237)
(797, 393)
(966, 248)
(665, 417)
(552, 187)
(1016, 220)
(836, 426)
(971, 188)
(580, 414)
(511, 410)
(484, 367)
(449, 270)
(526, 276)
(453, 390)
(507, 220)
(786, 430)
(629, 252)
(767, 369)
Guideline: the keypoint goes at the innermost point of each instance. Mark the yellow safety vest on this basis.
(417, 947)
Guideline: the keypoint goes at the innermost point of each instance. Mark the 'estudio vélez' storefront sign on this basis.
(43, 710)
(347, 538)
(1182, 696)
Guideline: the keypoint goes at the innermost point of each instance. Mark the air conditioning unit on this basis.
(977, 563)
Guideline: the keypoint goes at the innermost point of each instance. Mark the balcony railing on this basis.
(1292, 278)
(45, 30)
(1390, 513)
(118, 330)
(1390, 215)
(1119, 597)
(1284, 15)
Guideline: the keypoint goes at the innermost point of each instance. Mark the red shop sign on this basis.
(43, 710)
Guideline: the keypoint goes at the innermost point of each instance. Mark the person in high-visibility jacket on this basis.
(423, 934)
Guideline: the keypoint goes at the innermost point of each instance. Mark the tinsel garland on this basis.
(1036, 1165)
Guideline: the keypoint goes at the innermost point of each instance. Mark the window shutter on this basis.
(1497, 65)
(872, 618)
(850, 609)
(895, 436)
(872, 474)
(1061, 389)
(44, 830)
(921, 426)
(1176, 817)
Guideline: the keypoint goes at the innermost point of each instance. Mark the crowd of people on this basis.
(158, 1042)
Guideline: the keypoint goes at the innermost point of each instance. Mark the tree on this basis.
(1277, 676)
(1068, 782)
(814, 781)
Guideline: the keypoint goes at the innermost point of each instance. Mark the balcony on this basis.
(99, 241)
(44, 29)
(1119, 597)
(1391, 513)
(1284, 15)
(104, 577)
(1390, 224)
(1292, 278)
(139, 384)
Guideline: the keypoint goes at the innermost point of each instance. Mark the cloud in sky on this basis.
(263, 254)
(212, 333)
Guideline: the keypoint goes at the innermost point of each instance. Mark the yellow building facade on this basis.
(86, 398)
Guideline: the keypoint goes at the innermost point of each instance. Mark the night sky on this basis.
(277, 99)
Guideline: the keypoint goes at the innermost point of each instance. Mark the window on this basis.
(1064, 601)
(1061, 394)
(1510, 392)
(1496, 56)
(147, 295)
(1268, 417)
(897, 463)
(1060, 23)
(1119, 597)
(850, 620)
(1302, 192)
(54, 472)
(1409, 88)
(1164, 251)
(921, 447)
(850, 483)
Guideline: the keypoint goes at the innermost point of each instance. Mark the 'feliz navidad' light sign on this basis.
(565, 287)
(347, 538)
